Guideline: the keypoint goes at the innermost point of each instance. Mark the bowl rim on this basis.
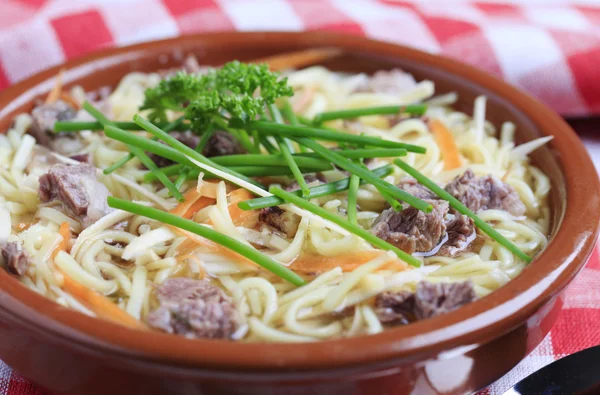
(472, 325)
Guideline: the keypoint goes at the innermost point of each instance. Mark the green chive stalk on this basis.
(260, 171)
(352, 199)
(256, 140)
(248, 171)
(363, 153)
(285, 148)
(270, 147)
(183, 177)
(204, 139)
(290, 115)
(146, 161)
(293, 166)
(413, 109)
(118, 164)
(394, 203)
(76, 126)
(270, 160)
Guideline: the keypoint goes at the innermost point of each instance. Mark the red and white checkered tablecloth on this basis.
(550, 48)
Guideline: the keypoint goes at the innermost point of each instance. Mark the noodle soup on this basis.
(261, 235)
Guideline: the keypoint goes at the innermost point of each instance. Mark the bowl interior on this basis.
(498, 110)
(479, 322)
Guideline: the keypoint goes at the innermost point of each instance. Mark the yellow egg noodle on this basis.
(123, 256)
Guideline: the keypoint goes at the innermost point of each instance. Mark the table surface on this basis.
(577, 326)
(555, 63)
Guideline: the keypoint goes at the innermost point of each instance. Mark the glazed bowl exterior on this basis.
(70, 353)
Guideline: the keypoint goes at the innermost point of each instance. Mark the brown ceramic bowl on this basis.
(69, 353)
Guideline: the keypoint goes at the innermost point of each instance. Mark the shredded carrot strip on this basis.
(65, 232)
(245, 218)
(99, 304)
(197, 206)
(70, 100)
(317, 264)
(54, 94)
(190, 197)
(298, 59)
(445, 141)
(239, 217)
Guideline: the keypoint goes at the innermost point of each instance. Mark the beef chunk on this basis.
(219, 144)
(188, 138)
(412, 230)
(279, 219)
(83, 158)
(16, 260)
(485, 193)
(428, 301)
(395, 307)
(194, 309)
(435, 299)
(190, 65)
(316, 179)
(413, 187)
(390, 82)
(461, 232)
(77, 188)
(222, 143)
(44, 116)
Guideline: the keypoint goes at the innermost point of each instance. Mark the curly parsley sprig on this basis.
(236, 90)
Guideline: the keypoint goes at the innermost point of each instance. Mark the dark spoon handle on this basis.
(577, 374)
